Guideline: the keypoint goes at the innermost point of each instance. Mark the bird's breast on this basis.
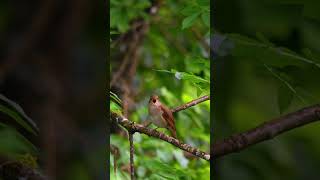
(156, 116)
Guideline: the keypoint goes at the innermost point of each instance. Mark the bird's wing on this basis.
(167, 114)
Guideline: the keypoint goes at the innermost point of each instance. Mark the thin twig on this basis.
(135, 127)
(124, 64)
(116, 153)
(191, 103)
(131, 155)
(266, 131)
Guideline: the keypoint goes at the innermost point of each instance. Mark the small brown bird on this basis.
(161, 116)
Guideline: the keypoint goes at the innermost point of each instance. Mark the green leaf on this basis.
(263, 39)
(115, 98)
(205, 16)
(114, 17)
(252, 50)
(113, 32)
(115, 103)
(295, 56)
(188, 21)
(186, 76)
(311, 55)
(163, 70)
(165, 170)
(142, 4)
(193, 78)
(189, 76)
(115, 2)
(115, 108)
(197, 64)
(123, 23)
(13, 144)
(203, 3)
(14, 111)
(285, 80)
(159, 44)
(199, 91)
(190, 10)
(203, 88)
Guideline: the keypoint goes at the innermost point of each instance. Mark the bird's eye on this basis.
(154, 101)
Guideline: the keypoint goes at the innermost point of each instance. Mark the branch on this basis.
(135, 127)
(266, 131)
(191, 103)
(116, 153)
(134, 38)
(131, 155)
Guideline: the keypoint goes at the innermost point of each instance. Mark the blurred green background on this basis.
(174, 64)
(271, 67)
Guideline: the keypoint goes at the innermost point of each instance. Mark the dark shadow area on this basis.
(53, 64)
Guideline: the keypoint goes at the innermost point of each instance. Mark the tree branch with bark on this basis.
(190, 104)
(266, 131)
(133, 127)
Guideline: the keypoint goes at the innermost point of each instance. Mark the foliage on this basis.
(268, 65)
(12, 143)
(13, 110)
(115, 103)
(124, 11)
(195, 10)
(173, 64)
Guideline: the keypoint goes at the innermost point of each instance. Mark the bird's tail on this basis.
(173, 132)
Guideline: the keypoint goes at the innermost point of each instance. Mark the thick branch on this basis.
(134, 127)
(266, 131)
(191, 103)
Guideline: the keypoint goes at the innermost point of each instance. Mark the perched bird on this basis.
(161, 116)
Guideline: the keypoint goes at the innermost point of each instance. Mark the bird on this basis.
(161, 115)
